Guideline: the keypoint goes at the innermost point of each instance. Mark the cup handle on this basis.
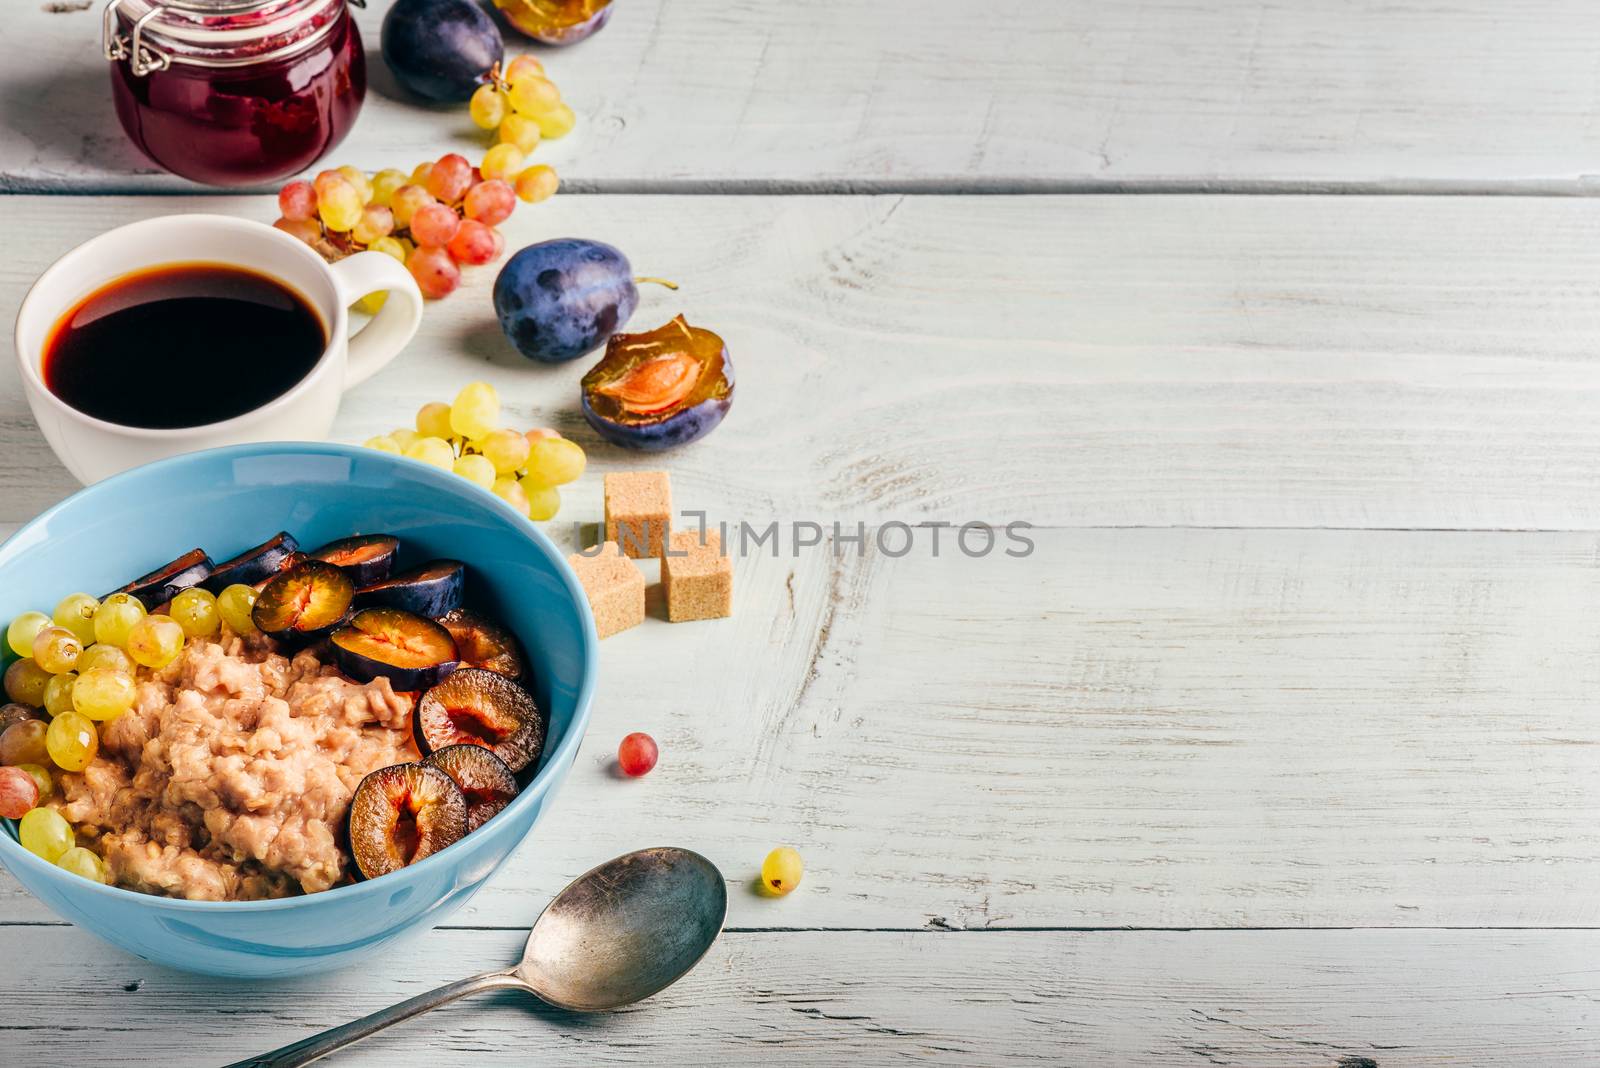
(396, 322)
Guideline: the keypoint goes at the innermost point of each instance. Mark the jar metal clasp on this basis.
(142, 59)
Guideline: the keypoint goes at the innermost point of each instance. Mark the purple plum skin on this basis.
(679, 428)
(559, 299)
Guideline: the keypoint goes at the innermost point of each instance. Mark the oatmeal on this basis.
(231, 776)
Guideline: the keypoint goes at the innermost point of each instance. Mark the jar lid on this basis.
(213, 33)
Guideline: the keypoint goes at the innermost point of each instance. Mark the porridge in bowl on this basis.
(318, 722)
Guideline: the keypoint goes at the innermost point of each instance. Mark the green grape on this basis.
(56, 649)
(155, 641)
(389, 246)
(104, 656)
(358, 181)
(508, 490)
(476, 411)
(487, 107)
(20, 634)
(115, 618)
(340, 206)
(534, 96)
(44, 832)
(385, 182)
(556, 123)
(433, 420)
(195, 609)
(371, 303)
(25, 682)
(476, 468)
(104, 694)
(58, 695)
(235, 604)
(383, 443)
(555, 461)
(781, 871)
(502, 161)
(543, 501)
(79, 861)
(507, 450)
(403, 436)
(72, 741)
(435, 451)
(76, 613)
(521, 131)
(41, 778)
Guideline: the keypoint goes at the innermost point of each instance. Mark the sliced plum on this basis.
(254, 565)
(304, 602)
(484, 779)
(431, 590)
(484, 644)
(366, 558)
(665, 387)
(411, 651)
(401, 814)
(159, 586)
(478, 707)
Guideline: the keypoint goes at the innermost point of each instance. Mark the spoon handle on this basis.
(320, 1045)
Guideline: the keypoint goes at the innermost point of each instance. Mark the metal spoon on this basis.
(619, 933)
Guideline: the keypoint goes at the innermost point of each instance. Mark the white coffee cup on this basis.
(94, 448)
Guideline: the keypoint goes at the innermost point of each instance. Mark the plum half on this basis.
(366, 558)
(401, 814)
(484, 779)
(160, 585)
(431, 590)
(482, 644)
(559, 299)
(411, 651)
(304, 602)
(474, 706)
(557, 22)
(659, 389)
(254, 565)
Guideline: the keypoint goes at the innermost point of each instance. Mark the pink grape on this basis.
(306, 230)
(637, 754)
(297, 201)
(450, 178)
(18, 793)
(473, 243)
(434, 225)
(375, 222)
(436, 273)
(490, 202)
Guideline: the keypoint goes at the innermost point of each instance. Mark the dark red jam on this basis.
(248, 121)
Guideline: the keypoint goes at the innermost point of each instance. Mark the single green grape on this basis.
(557, 122)
(433, 420)
(41, 778)
(340, 206)
(56, 649)
(20, 634)
(385, 182)
(502, 161)
(534, 96)
(383, 443)
(25, 682)
(476, 411)
(507, 489)
(58, 695)
(507, 450)
(72, 741)
(115, 618)
(79, 861)
(403, 436)
(235, 604)
(781, 871)
(521, 131)
(104, 694)
(435, 451)
(358, 181)
(476, 468)
(76, 613)
(389, 246)
(195, 609)
(155, 641)
(487, 107)
(104, 656)
(44, 832)
(543, 501)
(556, 461)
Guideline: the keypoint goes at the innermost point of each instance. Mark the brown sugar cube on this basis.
(638, 511)
(615, 588)
(697, 578)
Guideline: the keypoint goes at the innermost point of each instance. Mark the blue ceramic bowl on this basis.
(226, 500)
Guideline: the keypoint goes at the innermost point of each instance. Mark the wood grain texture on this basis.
(1163, 728)
(1112, 361)
(1269, 999)
(1018, 95)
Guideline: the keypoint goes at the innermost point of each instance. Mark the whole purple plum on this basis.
(560, 299)
(665, 387)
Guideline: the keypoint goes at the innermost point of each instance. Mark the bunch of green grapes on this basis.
(521, 468)
(522, 107)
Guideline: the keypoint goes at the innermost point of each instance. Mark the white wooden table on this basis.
(1279, 750)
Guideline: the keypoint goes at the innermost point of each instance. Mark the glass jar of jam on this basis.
(235, 92)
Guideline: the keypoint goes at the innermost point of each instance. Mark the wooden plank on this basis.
(1162, 728)
(1284, 999)
(834, 95)
(1116, 361)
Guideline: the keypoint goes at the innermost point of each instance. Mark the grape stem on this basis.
(656, 281)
